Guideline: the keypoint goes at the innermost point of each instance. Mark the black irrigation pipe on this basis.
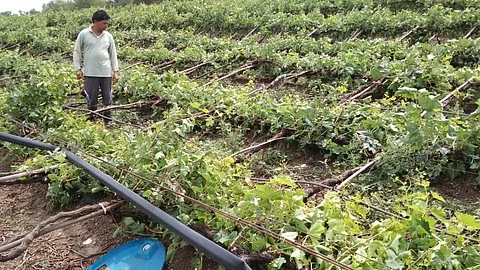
(203, 244)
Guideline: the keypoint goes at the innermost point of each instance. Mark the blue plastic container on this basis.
(141, 254)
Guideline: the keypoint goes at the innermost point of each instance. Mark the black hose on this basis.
(203, 244)
(26, 142)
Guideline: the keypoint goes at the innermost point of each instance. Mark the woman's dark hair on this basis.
(100, 15)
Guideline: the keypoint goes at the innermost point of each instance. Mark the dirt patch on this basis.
(463, 188)
(185, 256)
(22, 207)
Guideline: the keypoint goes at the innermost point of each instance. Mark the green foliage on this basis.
(188, 149)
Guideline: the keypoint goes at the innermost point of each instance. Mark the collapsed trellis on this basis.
(334, 180)
(341, 179)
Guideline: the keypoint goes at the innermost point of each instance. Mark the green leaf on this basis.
(429, 103)
(437, 196)
(375, 247)
(128, 221)
(159, 155)
(283, 179)
(394, 264)
(209, 122)
(297, 253)
(147, 193)
(299, 215)
(317, 229)
(468, 221)
(406, 92)
(376, 74)
(117, 232)
(97, 189)
(290, 235)
(393, 128)
(259, 244)
(278, 262)
(226, 237)
(396, 243)
(473, 258)
(477, 111)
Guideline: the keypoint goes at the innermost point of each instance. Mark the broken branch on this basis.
(279, 80)
(248, 65)
(249, 33)
(260, 146)
(462, 87)
(470, 32)
(355, 174)
(341, 179)
(362, 92)
(192, 69)
(407, 34)
(23, 243)
(17, 175)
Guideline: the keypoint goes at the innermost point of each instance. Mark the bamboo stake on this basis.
(359, 171)
(18, 175)
(277, 80)
(24, 182)
(313, 32)
(470, 32)
(249, 33)
(357, 34)
(354, 35)
(165, 67)
(444, 102)
(191, 69)
(367, 90)
(359, 94)
(135, 64)
(103, 116)
(164, 64)
(251, 148)
(135, 105)
(408, 34)
(249, 65)
(464, 86)
(208, 72)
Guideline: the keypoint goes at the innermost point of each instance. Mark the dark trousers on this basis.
(92, 86)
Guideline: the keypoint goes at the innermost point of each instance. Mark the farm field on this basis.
(296, 134)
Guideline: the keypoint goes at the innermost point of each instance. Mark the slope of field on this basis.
(311, 129)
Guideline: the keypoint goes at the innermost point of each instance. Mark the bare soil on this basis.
(22, 207)
(462, 189)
